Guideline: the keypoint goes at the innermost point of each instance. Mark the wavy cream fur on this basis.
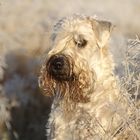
(93, 109)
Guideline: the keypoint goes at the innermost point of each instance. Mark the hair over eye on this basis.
(80, 41)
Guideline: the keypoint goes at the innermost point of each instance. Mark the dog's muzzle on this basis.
(59, 67)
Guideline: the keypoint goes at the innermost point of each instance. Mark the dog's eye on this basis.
(80, 41)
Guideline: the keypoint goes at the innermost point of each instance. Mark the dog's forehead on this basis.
(82, 28)
(74, 23)
(73, 27)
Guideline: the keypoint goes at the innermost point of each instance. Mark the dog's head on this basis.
(74, 63)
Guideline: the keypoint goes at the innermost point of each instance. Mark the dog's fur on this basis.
(87, 102)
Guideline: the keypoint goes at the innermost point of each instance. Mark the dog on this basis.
(78, 74)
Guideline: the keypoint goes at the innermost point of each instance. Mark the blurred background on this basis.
(25, 27)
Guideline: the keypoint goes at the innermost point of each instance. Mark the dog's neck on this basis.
(103, 66)
(69, 107)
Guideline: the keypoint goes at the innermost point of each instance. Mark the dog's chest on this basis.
(83, 121)
(81, 124)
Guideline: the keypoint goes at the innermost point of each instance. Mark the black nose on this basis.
(57, 64)
(59, 68)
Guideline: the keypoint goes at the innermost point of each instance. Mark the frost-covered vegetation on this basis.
(24, 37)
(130, 90)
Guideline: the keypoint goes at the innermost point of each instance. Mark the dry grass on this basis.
(130, 89)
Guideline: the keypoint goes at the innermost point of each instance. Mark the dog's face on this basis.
(72, 65)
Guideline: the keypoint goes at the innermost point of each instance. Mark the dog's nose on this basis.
(59, 67)
(57, 64)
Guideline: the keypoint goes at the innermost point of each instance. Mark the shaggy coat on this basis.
(78, 74)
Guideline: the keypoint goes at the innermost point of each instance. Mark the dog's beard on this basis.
(78, 87)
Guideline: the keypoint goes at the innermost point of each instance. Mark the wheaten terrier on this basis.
(78, 74)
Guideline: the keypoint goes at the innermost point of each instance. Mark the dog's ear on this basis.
(102, 31)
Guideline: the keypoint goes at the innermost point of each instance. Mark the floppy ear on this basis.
(102, 31)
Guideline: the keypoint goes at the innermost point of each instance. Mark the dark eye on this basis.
(80, 42)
